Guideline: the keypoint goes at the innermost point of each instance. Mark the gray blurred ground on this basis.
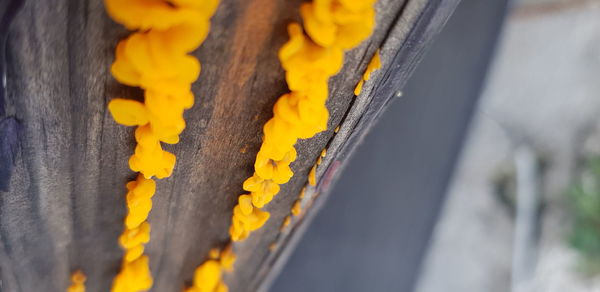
(544, 90)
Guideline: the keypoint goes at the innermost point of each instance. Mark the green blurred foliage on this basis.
(585, 202)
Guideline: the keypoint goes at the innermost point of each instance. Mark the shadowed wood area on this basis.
(65, 206)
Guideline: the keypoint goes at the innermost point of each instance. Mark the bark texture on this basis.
(64, 205)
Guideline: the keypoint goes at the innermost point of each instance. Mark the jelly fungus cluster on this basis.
(77, 282)
(207, 277)
(309, 59)
(155, 57)
(296, 210)
(374, 64)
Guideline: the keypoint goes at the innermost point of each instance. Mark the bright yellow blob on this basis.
(297, 208)
(374, 64)
(77, 282)
(155, 58)
(309, 60)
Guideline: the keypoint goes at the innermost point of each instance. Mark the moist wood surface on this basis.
(65, 206)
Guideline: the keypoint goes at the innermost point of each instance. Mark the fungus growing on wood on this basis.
(374, 64)
(65, 165)
(155, 58)
(77, 282)
(309, 60)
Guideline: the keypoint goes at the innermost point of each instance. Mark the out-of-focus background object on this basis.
(543, 91)
(520, 207)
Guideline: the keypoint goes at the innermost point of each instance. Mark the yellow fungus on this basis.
(342, 24)
(256, 183)
(277, 170)
(155, 58)
(324, 152)
(128, 112)
(214, 253)
(207, 278)
(77, 282)
(133, 237)
(358, 87)
(228, 258)
(337, 129)
(245, 203)
(374, 64)
(247, 222)
(134, 276)
(297, 208)
(133, 253)
(260, 199)
(302, 193)
(262, 190)
(139, 201)
(312, 176)
(309, 60)
(286, 222)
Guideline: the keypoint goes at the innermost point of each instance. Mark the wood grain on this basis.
(65, 206)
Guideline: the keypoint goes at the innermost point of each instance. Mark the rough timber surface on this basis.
(64, 207)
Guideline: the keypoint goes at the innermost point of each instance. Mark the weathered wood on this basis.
(65, 207)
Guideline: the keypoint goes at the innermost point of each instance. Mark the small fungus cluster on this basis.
(155, 57)
(296, 210)
(77, 282)
(374, 64)
(309, 58)
(207, 277)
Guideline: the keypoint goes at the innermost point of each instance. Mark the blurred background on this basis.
(484, 175)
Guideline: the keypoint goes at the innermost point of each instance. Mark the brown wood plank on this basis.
(65, 207)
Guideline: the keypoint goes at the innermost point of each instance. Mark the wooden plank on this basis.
(65, 206)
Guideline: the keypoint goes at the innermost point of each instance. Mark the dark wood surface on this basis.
(65, 205)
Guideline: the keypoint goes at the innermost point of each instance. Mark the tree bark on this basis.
(64, 206)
